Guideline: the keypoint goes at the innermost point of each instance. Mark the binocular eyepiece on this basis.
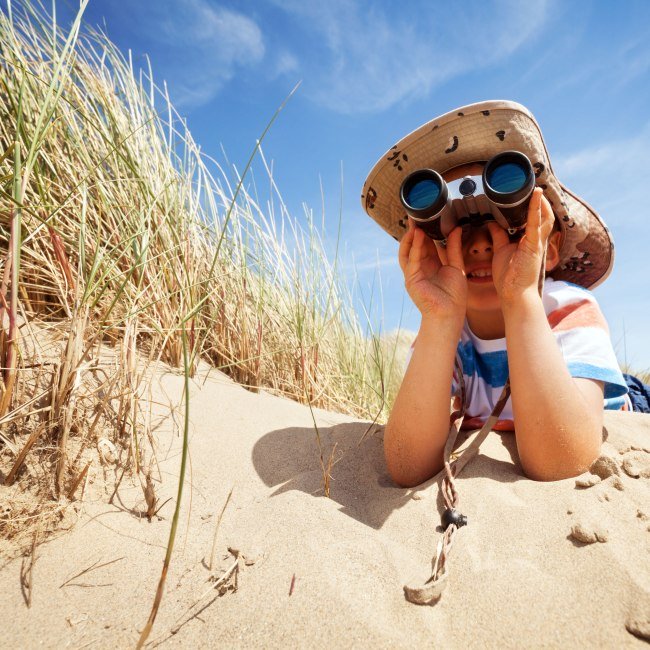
(501, 193)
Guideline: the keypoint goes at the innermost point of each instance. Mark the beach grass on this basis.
(118, 233)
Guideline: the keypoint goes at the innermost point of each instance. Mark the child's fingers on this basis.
(405, 246)
(423, 252)
(533, 234)
(499, 236)
(548, 218)
(417, 250)
(454, 251)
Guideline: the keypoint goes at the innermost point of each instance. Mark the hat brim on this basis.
(475, 133)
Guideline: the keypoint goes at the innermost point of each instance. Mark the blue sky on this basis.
(373, 71)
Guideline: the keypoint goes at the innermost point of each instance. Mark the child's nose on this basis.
(479, 241)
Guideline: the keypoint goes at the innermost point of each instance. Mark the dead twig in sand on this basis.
(150, 496)
(325, 469)
(27, 570)
(117, 485)
(231, 572)
(160, 507)
(93, 567)
(78, 480)
(181, 480)
(327, 473)
(216, 530)
(11, 477)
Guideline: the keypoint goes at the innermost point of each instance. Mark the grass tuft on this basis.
(117, 231)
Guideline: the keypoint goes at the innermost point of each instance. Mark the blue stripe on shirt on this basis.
(491, 367)
(615, 385)
(615, 403)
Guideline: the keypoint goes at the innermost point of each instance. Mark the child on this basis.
(479, 300)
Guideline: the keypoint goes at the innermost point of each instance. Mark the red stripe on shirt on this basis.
(585, 313)
(476, 423)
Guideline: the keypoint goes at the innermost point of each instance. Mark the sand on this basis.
(539, 564)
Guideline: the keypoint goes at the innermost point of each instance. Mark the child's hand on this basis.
(516, 266)
(434, 277)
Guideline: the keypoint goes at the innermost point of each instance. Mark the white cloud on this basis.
(201, 46)
(353, 55)
(285, 64)
(364, 60)
(611, 175)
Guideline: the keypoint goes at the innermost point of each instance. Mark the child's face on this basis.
(483, 304)
(477, 255)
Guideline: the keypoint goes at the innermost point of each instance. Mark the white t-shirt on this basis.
(581, 333)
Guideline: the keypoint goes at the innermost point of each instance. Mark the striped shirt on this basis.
(581, 333)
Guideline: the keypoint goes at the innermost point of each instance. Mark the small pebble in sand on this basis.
(631, 468)
(605, 466)
(638, 619)
(638, 627)
(637, 464)
(107, 451)
(641, 515)
(588, 533)
(587, 481)
(615, 482)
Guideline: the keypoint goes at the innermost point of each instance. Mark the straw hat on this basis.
(475, 133)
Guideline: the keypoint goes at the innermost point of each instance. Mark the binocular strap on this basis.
(431, 591)
(452, 520)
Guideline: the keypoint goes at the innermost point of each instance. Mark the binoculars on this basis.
(502, 194)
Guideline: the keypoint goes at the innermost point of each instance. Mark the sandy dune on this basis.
(518, 575)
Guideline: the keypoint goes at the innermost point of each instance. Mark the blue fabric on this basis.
(639, 394)
(615, 385)
(491, 367)
(615, 403)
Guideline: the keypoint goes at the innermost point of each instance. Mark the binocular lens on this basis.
(422, 193)
(507, 177)
(503, 191)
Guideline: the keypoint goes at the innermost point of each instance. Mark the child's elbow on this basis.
(405, 466)
(405, 479)
(402, 473)
(569, 465)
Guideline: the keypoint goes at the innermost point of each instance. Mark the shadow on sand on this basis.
(289, 459)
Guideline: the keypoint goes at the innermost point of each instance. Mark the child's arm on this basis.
(558, 419)
(418, 425)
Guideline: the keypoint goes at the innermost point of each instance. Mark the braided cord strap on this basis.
(431, 591)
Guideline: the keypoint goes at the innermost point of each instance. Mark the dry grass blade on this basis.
(115, 227)
(181, 481)
(27, 570)
(93, 567)
(79, 479)
(216, 529)
(229, 574)
(64, 394)
(11, 477)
